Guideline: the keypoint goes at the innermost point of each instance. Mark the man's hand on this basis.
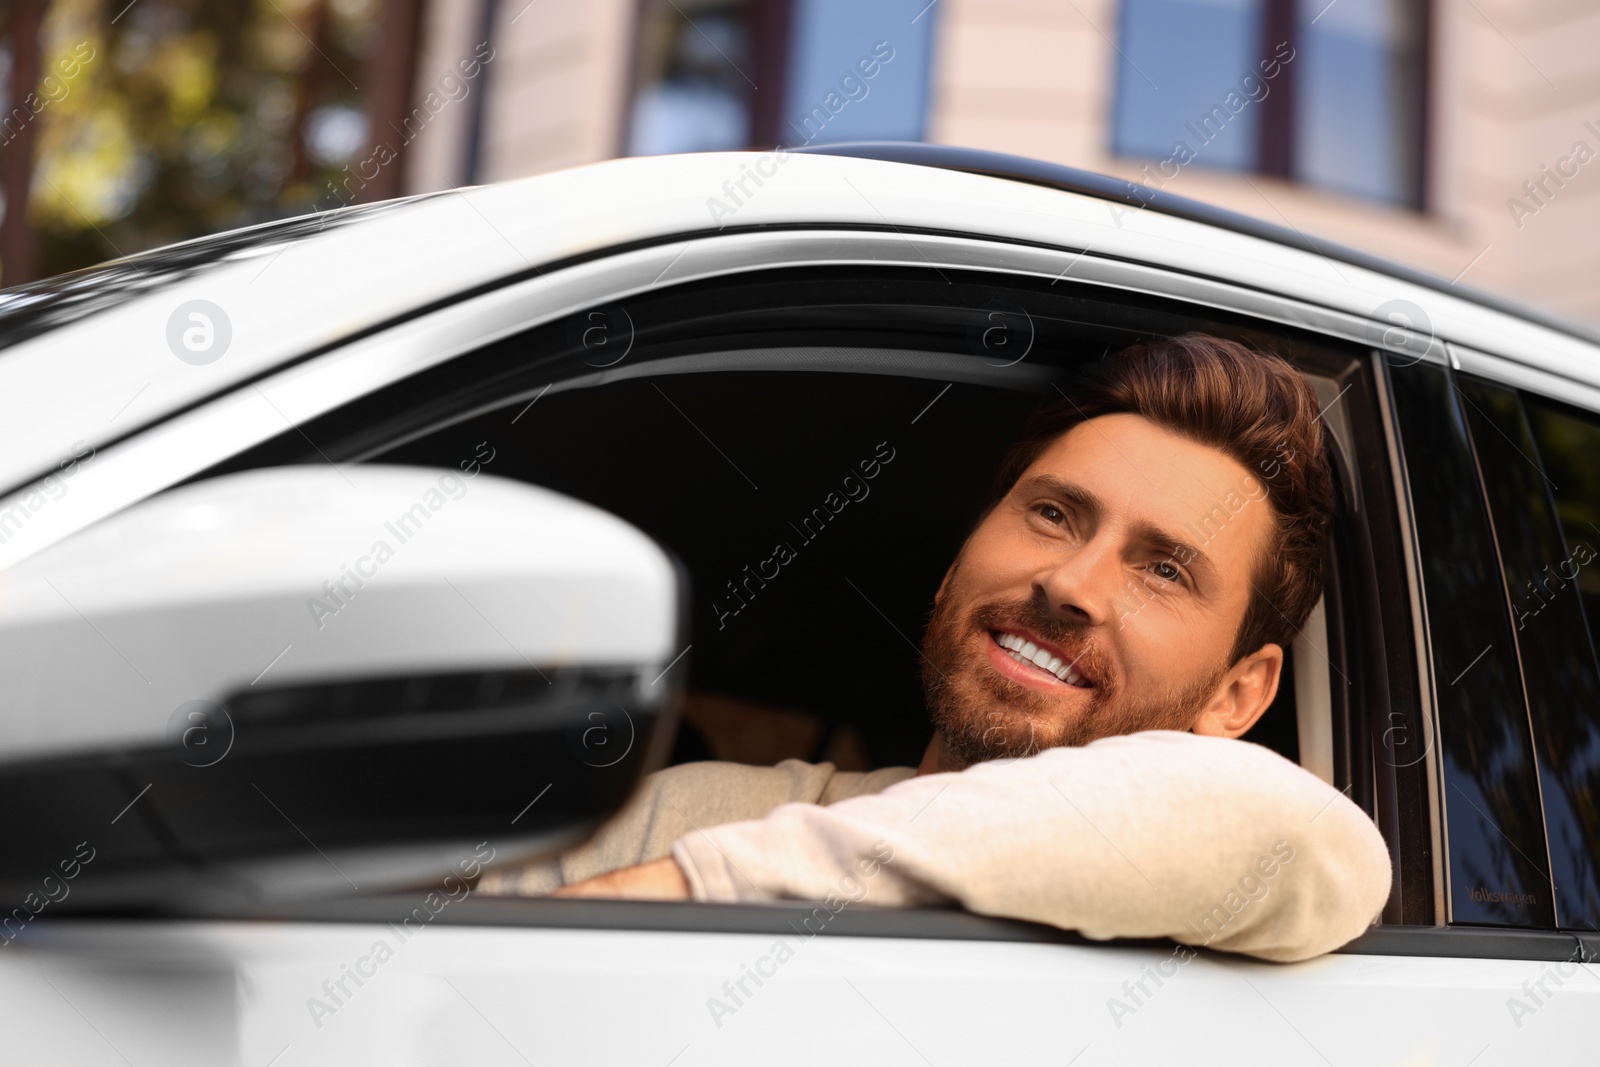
(660, 879)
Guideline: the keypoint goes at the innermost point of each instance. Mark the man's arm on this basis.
(660, 879)
(1208, 841)
(672, 802)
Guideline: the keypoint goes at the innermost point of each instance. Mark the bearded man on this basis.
(1114, 623)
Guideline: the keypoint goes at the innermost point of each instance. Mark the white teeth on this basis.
(1024, 651)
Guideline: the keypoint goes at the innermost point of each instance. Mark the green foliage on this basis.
(191, 116)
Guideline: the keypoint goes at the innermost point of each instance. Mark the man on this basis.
(1114, 622)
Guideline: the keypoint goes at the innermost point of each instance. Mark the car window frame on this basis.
(919, 923)
(369, 431)
(1356, 462)
(320, 382)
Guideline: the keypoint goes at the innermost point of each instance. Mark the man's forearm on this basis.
(660, 879)
(1203, 840)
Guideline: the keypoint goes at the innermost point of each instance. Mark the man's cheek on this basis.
(1147, 656)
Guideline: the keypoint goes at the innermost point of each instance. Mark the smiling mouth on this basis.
(1026, 652)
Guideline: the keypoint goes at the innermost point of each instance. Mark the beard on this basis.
(981, 715)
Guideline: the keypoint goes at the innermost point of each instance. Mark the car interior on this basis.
(735, 421)
(819, 662)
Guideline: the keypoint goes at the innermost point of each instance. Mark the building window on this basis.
(1328, 94)
(693, 82)
(857, 72)
(730, 74)
(1358, 115)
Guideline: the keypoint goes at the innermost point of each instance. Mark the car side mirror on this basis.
(306, 681)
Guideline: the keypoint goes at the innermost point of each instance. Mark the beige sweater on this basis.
(1203, 840)
(684, 799)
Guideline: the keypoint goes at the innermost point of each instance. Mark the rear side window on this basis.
(1495, 855)
(1565, 594)
(1536, 464)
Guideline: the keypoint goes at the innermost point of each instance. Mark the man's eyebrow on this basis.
(1076, 495)
(1186, 552)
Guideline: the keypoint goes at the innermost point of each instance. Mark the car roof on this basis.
(1141, 197)
(108, 374)
(38, 307)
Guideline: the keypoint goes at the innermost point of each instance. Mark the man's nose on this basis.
(1081, 584)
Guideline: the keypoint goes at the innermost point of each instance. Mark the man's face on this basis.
(1126, 553)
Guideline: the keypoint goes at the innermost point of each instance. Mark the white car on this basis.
(345, 557)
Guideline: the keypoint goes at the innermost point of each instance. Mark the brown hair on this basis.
(1251, 406)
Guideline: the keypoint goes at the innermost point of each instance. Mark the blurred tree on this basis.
(19, 22)
(169, 119)
(389, 87)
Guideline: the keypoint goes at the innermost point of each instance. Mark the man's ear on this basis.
(1247, 691)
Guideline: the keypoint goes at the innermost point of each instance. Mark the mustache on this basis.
(1071, 636)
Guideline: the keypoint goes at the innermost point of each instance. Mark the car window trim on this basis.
(199, 437)
(788, 918)
(1138, 196)
(1422, 643)
(1480, 364)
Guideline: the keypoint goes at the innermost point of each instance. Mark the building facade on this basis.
(1459, 136)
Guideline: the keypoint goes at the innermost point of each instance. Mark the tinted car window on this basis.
(1494, 829)
(1556, 606)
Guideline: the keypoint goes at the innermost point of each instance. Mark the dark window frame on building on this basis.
(783, 101)
(1279, 148)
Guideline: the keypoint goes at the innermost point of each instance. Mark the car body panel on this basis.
(254, 993)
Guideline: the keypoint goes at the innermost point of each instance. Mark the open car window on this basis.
(814, 445)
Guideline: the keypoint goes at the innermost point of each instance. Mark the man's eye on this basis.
(1051, 513)
(1167, 571)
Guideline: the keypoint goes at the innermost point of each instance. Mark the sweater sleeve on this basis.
(681, 800)
(1206, 841)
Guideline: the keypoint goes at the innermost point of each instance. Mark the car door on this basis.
(678, 405)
